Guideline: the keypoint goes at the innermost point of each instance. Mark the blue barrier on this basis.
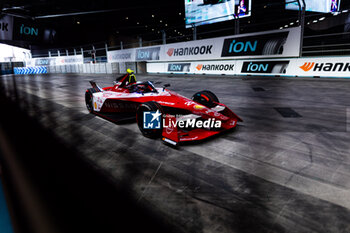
(30, 70)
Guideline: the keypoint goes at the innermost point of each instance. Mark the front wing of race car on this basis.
(194, 127)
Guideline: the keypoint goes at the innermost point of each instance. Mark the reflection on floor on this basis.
(272, 174)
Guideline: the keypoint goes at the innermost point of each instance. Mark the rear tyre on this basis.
(206, 98)
(89, 99)
(149, 107)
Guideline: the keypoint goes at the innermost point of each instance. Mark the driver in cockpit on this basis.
(127, 79)
(141, 87)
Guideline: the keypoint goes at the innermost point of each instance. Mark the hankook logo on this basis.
(307, 66)
(326, 67)
(219, 67)
(188, 51)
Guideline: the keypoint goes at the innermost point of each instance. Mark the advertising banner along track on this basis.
(277, 43)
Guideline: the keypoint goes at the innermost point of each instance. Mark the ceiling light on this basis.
(152, 29)
(315, 21)
(78, 22)
(166, 25)
(160, 21)
(152, 16)
(291, 23)
(323, 18)
(180, 13)
(126, 17)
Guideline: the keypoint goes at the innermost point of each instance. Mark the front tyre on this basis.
(149, 107)
(206, 98)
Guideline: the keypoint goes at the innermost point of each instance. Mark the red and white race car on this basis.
(161, 113)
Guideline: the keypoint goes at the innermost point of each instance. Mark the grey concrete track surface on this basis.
(272, 174)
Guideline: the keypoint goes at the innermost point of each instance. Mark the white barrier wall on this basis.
(276, 43)
(302, 67)
(323, 67)
(102, 68)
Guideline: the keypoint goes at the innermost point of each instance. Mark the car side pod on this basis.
(169, 133)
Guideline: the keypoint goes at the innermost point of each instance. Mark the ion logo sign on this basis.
(276, 67)
(31, 31)
(147, 54)
(271, 44)
(188, 51)
(326, 67)
(152, 120)
(45, 62)
(220, 67)
(180, 67)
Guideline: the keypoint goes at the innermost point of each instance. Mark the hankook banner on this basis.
(302, 67)
(52, 61)
(123, 55)
(277, 43)
(323, 67)
(6, 28)
(214, 67)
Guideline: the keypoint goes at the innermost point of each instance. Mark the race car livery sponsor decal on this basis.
(147, 54)
(268, 44)
(325, 67)
(216, 67)
(166, 103)
(275, 67)
(198, 107)
(120, 105)
(189, 51)
(179, 67)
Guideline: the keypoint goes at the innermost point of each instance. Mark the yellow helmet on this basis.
(129, 71)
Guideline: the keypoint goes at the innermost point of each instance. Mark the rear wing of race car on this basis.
(95, 86)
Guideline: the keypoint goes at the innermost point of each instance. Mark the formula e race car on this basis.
(161, 113)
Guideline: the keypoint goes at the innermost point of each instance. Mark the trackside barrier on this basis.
(269, 44)
(297, 67)
(102, 68)
(30, 70)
